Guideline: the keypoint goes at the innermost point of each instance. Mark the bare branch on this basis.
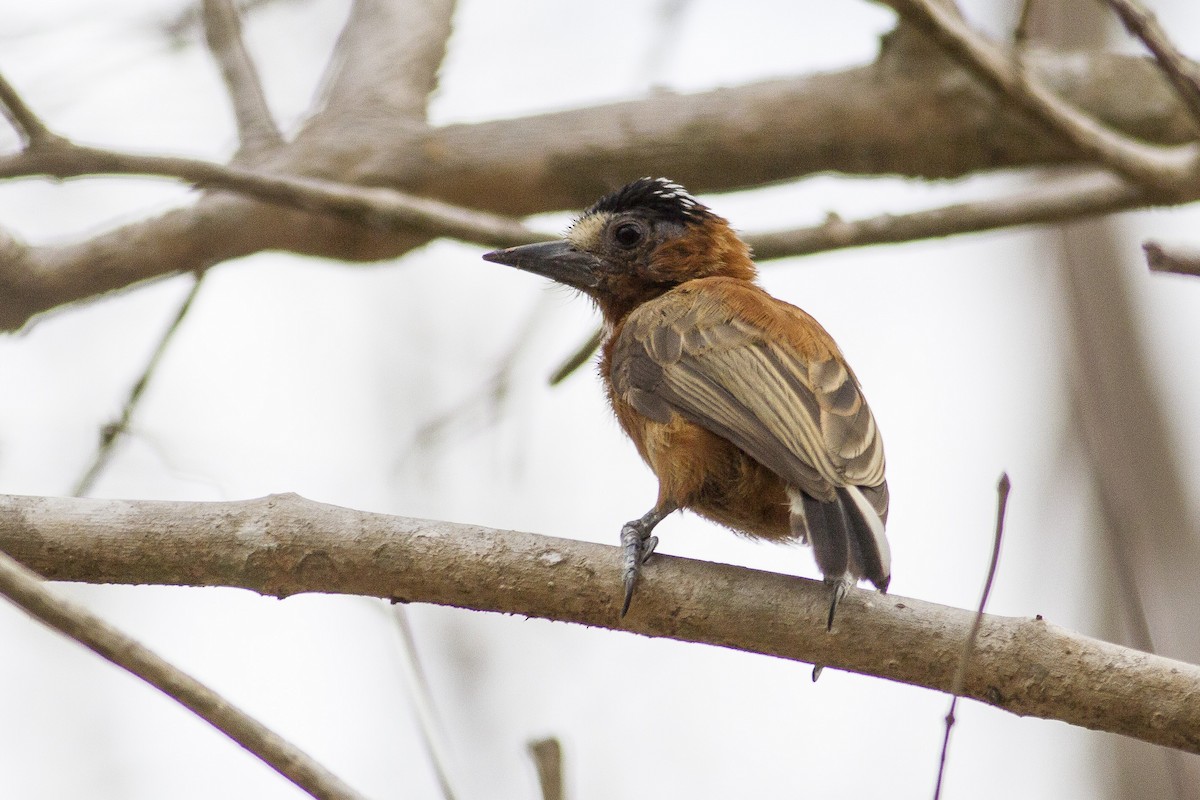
(1021, 30)
(1182, 73)
(223, 32)
(1154, 167)
(283, 545)
(385, 208)
(386, 61)
(578, 358)
(547, 759)
(115, 430)
(1163, 259)
(960, 674)
(26, 591)
(422, 698)
(713, 141)
(1068, 198)
(30, 127)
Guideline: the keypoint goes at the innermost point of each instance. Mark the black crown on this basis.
(657, 197)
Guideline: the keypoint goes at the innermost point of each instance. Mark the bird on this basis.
(741, 404)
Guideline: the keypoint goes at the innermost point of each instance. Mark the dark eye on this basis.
(628, 234)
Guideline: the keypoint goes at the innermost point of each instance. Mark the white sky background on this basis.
(301, 375)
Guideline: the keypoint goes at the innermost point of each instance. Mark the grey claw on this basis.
(633, 545)
(839, 587)
(630, 582)
(648, 546)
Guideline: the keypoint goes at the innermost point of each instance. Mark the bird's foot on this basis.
(838, 588)
(638, 545)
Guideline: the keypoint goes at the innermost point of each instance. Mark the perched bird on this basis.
(742, 404)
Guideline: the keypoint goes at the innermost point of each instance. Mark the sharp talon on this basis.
(648, 546)
(817, 670)
(638, 544)
(839, 591)
(635, 554)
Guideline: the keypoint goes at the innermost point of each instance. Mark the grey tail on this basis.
(846, 534)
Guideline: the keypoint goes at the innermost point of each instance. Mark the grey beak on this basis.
(559, 261)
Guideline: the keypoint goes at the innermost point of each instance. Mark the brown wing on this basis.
(758, 372)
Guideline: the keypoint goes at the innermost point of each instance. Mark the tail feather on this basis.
(846, 535)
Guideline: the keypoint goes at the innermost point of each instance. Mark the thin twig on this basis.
(1072, 197)
(114, 430)
(1162, 259)
(257, 130)
(422, 697)
(547, 759)
(1184, 76)
(30, 127)
(960, 674)
(26, 590)
(578, 358)
(1156, 168)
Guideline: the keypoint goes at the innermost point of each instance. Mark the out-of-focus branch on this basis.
(547, 759)
(283, 545)
(1182, 73)
(113, 431)
(384, 208)
(964, 659)
(223, 32)
(922, 122)
(1057, 200)
(1155, 168)
(24, 589)
(1161, 258)
(30, 127)
(385, 63)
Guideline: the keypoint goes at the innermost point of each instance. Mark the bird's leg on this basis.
(638, 543)
(838, 587)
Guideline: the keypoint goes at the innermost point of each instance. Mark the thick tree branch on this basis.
(24, 589)
(1155, 168)
(223, 32)
(283, 545)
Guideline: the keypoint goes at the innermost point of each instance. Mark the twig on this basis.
(547, 759)
(578, 358)
(960, 673)
(1162, 259)
(114, 430)
(422, 697)
(223, 33)
(1156, 168)
(1068, 198)
(383, 208)
(25, 589)
(1184, 76)
(30, 127)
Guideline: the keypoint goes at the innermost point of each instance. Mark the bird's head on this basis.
(635, 244)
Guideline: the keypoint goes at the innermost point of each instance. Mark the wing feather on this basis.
(788, 402)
